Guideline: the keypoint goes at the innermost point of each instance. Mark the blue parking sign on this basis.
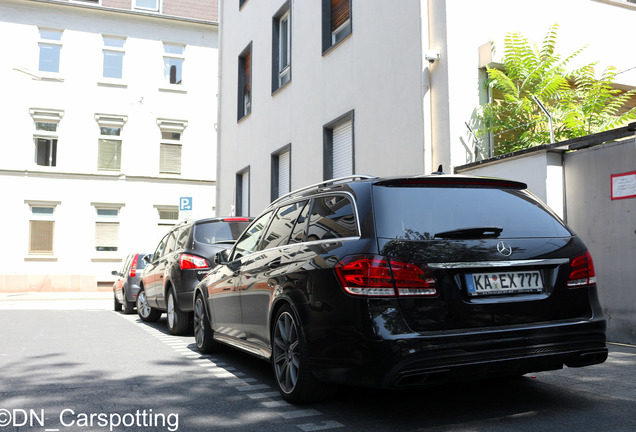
(185, 203)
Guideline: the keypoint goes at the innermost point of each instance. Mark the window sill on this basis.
(112, 83)
(281, 88)
(108, 257)
(40, 258)
(337, 44)
(49, 77)
(173, 89)
(244, 117)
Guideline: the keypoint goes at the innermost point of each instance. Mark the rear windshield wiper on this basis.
(471, 233)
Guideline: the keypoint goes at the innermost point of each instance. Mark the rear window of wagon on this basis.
(418, 213)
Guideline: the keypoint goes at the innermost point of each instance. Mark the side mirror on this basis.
(115, 273)
(222, 257)
(148, 258)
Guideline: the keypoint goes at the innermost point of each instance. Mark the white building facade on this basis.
(109, 110)
(313, 90)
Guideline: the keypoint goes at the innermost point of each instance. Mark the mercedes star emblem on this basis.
(504, 248)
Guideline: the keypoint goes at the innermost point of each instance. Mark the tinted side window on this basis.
(159, 251)
(126, 265)
(332, 217)
(182, 238)
(170, 243)
(281, 226)
(299, 234)
(250, 238)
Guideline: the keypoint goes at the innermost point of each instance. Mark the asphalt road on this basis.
(75, 365)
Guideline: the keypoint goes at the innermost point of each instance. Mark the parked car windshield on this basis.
(419, 213)
(218, 231)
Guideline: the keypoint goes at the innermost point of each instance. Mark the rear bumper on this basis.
(185, 286)
(420, 360)
(131, 293)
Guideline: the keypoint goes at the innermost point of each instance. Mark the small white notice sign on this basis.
(624, 185)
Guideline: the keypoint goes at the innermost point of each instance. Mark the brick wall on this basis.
(206, 10)
(197, 9)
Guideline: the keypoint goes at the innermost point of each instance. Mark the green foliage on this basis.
(579, 102)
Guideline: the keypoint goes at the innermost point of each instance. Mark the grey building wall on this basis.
(608, 227)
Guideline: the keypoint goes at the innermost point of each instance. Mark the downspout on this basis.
(217, 203)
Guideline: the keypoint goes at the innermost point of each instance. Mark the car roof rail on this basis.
(326, 183)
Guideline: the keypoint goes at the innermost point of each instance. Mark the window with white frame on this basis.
(45, 135)
(41, 227)
(109, 144)
(113, 53)
(281, 48)
(336, 22)
(173, 59)
(107, 227)
(50, 45)
(149, 5)
(170, 147)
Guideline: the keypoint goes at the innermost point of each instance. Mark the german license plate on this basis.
(479, 284)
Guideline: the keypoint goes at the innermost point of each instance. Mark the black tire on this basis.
(116, 304)
(177, 319)
(145, 312)
(202, 330)
(129, 307)
(292, 372)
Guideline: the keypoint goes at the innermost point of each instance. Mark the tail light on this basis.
(377, 276)
(582, 271)
(133, 266)
(187, 261)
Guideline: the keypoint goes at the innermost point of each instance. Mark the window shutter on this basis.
(339, 13)
(248, 72)
(109, 155)
(106, 235)
(283, 173)
(342, 147)
(41, 236)
(170, 158)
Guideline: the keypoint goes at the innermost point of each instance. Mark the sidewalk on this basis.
(27, 296)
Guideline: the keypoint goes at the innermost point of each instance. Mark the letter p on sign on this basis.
(185, 204)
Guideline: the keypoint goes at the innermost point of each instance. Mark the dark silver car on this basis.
(126, 286)
(181, 260)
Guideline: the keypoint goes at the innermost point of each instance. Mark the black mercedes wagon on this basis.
(404, 282)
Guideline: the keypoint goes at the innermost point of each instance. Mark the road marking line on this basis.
(309, 427)
(253, 387)
(299, 413)
(264, 395)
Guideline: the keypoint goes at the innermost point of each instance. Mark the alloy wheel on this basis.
(286, 352)
(199, 322)
(170, 311)
(142, 305)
